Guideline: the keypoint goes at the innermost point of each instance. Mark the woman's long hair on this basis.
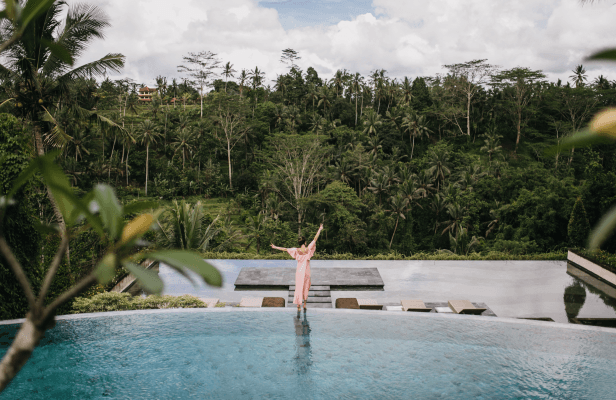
(301, 241)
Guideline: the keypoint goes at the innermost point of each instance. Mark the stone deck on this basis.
(254, 278)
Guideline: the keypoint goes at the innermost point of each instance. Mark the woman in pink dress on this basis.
(303, 255)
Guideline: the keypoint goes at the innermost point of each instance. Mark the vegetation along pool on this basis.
(245, 354)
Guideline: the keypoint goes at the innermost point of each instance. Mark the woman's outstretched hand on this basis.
(321, 227)
(273, 247)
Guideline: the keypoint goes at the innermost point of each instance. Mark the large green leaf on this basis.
(608, 54)
(603, 230)
(190, 260)
(137, 207)
(22, 178)
(55, 178)
(80, 207)
(33, 9)
(147, 278)
(581, 138)
(105, 270)
(110, 209)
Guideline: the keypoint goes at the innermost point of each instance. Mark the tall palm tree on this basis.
(243, 79)
(407, 91)
(356, 87)
(337, 82)
(228, 72)
(371, 121)
(416, 126)
(325, 96)
(398, 204)
(148, 136)
(456, 215)
(439, 165)
(492, 145)
(312, 95)
(256, 78)
(437, 205)
(41, 62)
(579, 76)
(129, 137)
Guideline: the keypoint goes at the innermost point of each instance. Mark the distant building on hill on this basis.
(145, 94)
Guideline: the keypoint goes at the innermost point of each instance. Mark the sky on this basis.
(405, 37)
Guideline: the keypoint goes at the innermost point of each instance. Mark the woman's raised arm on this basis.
(278, 248)
(318, 233)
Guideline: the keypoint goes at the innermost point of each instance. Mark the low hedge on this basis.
(113, 301)
(443, 255)
(600, 257)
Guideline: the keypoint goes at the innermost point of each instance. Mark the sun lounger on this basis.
(369, 304)
(464, 307)
(347, 303)
(251, 302)
(414, 305)
(273, 302)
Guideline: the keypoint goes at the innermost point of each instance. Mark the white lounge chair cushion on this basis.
(413, 304)
(251, 302)
(458, 305)
(210, 302)
(367, 302)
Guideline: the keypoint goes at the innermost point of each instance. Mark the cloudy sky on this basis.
(405, 37)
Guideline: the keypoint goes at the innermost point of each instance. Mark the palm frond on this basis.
(56, 137)
(113, 62)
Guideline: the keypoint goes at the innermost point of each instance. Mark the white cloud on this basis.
(406, 37)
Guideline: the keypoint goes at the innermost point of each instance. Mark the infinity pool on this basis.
(356, 354)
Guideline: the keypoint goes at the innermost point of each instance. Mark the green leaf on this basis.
(147, 278)
(137, 207)
(110, 209)
(58, 51)
(46, 229)
(33, 9)
(55, 178)
(609, 54)
(181, 259)
(603, 230)
(105, 270)
(581, 138)
(23, 177)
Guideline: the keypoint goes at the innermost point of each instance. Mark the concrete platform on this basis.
(255, 278)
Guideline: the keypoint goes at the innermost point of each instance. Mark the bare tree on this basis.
(299, 164)
(202, 67)
(231, 120)
(289, 57)
(467, 78)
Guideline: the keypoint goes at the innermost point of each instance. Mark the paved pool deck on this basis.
(511, 289)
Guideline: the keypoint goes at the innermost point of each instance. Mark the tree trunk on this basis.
(468, 114)
(356, 110)
(21, 349)
(413, 148)
(127, 151)
(229, 161)
(111, 158)
(392, 236)
(147, 161)
(517, 141)
(201, 97)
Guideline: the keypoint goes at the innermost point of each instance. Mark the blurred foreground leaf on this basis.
(147, 278)
(182, 259)
(603, 230)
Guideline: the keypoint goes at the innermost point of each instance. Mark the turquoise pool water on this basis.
(250, 354)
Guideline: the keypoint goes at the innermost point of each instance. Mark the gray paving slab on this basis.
(313, 293)
(257, 277)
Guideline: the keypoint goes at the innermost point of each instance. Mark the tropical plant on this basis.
(439, 165)
(371, 121)
(109, 224)
(184, 226)
(398, 204)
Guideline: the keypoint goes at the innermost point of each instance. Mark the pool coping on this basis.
(392, 314)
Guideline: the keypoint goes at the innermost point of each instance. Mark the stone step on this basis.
(313, 293)
(314, 300)
(313, 287)
(313, 305)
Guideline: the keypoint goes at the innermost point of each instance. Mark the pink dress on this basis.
(302, 274)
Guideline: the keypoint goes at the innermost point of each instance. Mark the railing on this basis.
(128, 281)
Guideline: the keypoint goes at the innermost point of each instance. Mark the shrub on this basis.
(113, 301)
(579, 228)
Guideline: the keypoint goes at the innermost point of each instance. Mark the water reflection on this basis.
(583, 284)
(303, 357)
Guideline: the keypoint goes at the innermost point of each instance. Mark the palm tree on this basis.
(356, 87)
(184, 143)
(379, 184)
(292, 117)
(228, 71)
(374, 143)
(128, 139)
(371, 122)
(324, 98)
(398, 205)
(411, 191)
(415, 125)
(601, 83)
(492, 145)
(424, 181)
(243, 79)
(439, 165)
(256, 231)
(579, 76)
(317, 124)
(343, 171)
(407, 91)
(184, 227)
(312, 95)
(148, 136)
(337, 82)
(456, 215)
(256, 77)
(437, 205)
(41, 62)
